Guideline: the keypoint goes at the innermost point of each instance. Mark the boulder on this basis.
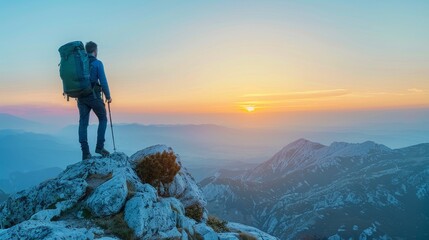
(33, 229)
(205, 232)
(183, 187)
(256, 233)
(22, 205)
(150, 218)
(109, 197)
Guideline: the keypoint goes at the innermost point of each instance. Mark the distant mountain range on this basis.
(206, 147)
(18, 181)
(8, 121)
(3, 196)
(345, 190)
(25, 151)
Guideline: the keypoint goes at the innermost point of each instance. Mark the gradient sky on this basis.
(222, 57)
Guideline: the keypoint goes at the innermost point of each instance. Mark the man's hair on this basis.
(90, 47)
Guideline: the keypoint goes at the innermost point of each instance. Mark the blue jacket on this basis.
(98, 75)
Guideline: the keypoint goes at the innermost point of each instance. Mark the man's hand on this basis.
(109, 100)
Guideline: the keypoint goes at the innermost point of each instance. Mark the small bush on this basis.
(195, 212)
(158, 168)
(86, 213)
(116, 225)
(217, 224)
(246, 236)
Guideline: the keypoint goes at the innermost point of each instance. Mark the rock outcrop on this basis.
(103, 198)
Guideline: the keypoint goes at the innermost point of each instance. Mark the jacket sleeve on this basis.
(103, 80)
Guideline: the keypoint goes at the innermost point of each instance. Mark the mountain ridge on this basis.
(323, 184)
(303, 153)
(9, 121)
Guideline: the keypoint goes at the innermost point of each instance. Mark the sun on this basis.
(250, 108)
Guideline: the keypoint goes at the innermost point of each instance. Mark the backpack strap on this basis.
(91, 60)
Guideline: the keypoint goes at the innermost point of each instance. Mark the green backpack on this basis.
(75, 70)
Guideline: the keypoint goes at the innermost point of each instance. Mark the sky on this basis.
(228, 62)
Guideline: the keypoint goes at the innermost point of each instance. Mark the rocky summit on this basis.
(105, 198)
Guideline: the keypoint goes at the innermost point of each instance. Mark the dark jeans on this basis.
(85, 104)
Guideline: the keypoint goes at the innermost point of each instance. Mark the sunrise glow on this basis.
(250, 108)
(223, 58)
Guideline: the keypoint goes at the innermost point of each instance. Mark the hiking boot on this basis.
(86, 156)
(103, 152)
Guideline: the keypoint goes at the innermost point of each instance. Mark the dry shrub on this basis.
(195, 212)
(116, 225)
(246, 236)
(158, 168)
(217, 224)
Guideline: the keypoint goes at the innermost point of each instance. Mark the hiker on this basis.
(94, 102)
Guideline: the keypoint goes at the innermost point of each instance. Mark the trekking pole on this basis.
(111, 127)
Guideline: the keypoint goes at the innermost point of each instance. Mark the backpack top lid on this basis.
(70, 47)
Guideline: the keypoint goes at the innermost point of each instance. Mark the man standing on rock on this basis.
(95, 102)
